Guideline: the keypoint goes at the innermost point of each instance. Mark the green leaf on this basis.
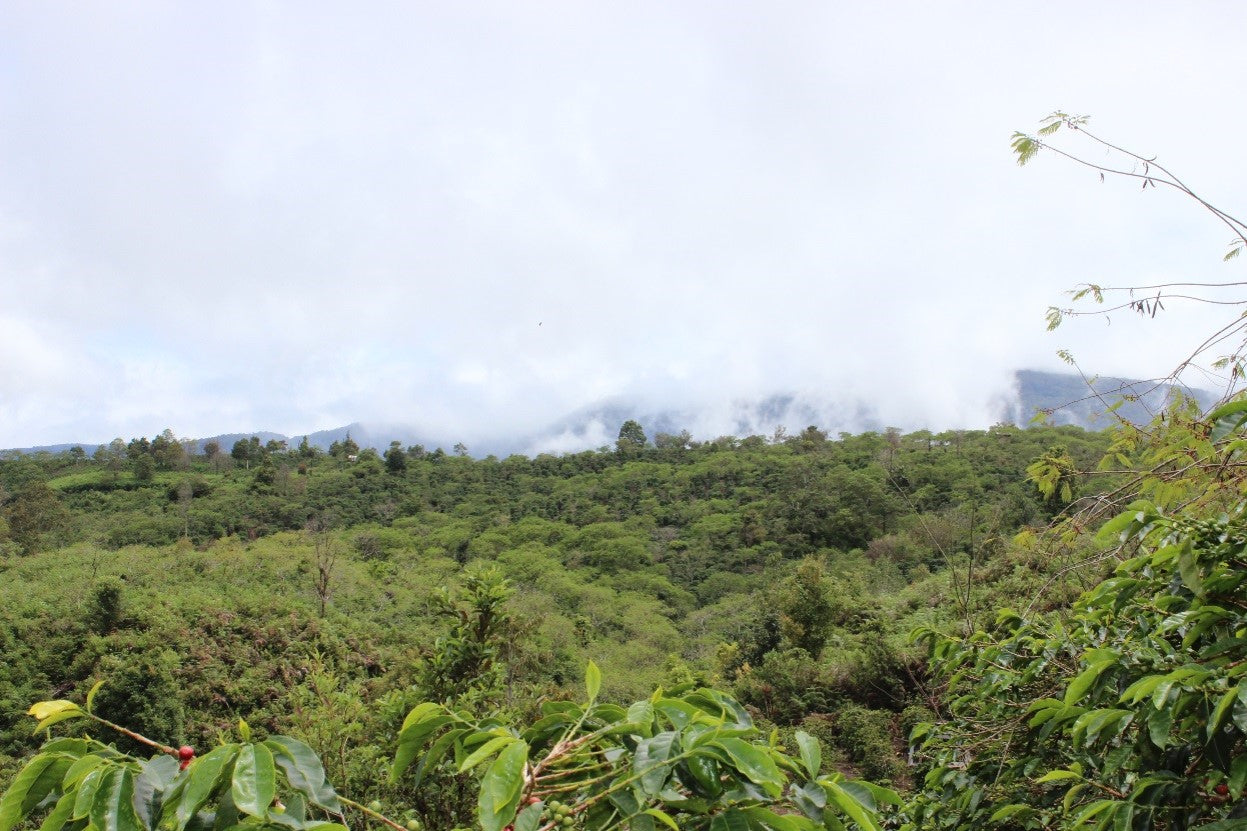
(811, 753)
(678, 712)
(663, 817)
(1072, 794)
(149, 787)
(1158, 724)
(60, 814)
(1057, 776)
(641, 713)
(1092, 810)
(779, 822)
(113, 806)
(81, 768)
(1188, 568)
(593, 680)
(1222, 711)
(1008, 811)
(649, 761)
(810, 799)
(1083, 681)
(436, 751)
(225, 818)
(12, 804)
(47, 709)
(1238, 774)
(529, 819)
(48, 782)
(253, 784)
(486, 750)
(415, 732)
(880, 794)
(501, 787)
(1226, 419)
(304, 771)
(203, 777)
(67, 746)
(730, 820)
(1024, 147)
(85, 794)
(1141, 689)
(856, 811)
(58, 716)
(244, 730)
(754, 763)
(421, 712)
(95, 688)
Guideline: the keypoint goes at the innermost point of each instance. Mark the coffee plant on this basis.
(1128, 714)
(684, 758)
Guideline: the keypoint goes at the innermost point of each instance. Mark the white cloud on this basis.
(480, 219)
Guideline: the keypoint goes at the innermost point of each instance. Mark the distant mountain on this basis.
(1065, 397)
(226, 440)
(1069, 399)
(55, 448)
(598, 425)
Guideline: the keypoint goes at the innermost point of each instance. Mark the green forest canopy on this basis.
(789, 572)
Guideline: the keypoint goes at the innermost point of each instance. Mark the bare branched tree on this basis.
(1229, 341)
(325, 549)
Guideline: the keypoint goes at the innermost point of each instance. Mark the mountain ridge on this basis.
(1060, 398)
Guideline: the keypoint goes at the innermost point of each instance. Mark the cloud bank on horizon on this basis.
(476, 219)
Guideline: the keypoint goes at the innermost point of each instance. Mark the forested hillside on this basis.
(320, 595)
(930, 613)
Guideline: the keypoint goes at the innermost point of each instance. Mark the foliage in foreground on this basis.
(687, 758)
(1130, 712)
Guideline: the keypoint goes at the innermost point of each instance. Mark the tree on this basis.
(325, 555)
(678, 441)
(463, 665)
(306, 450)
(186, 493)
(631, 439)
(34, 510)
(144, 467)
(167, 451)
(112, 456)
(396, 459)
(212, 451)
(344, 449)
(1055, 475)
(809, 607)
(138, 447)
(241, 452)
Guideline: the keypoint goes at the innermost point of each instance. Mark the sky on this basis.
(475, 218)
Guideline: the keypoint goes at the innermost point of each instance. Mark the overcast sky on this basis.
(476, 217)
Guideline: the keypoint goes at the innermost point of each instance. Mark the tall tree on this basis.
(631, 439)
(34, 511)
(396, 459)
